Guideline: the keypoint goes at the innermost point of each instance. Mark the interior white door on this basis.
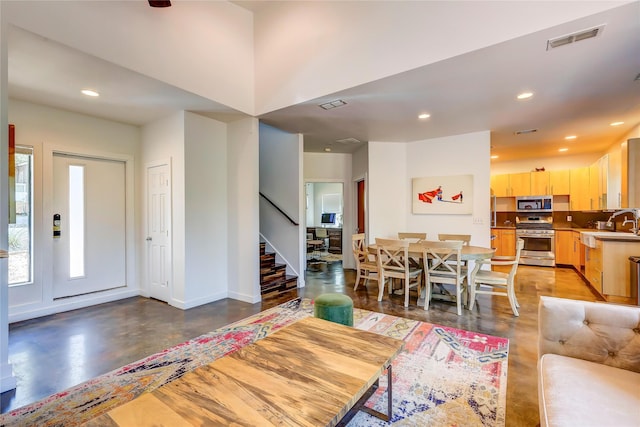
(159, 231)
(89, 196)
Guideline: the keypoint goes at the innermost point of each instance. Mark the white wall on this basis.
(281, 181)
(7, 380)
(559, 162)
(384, 38)
(162, 140)
(388, 190)
(335, 168)
(392, 167)
(44, 128)
(244, 219)
(206, 210)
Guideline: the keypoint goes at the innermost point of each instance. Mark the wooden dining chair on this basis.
(414, 237)
(464, 238)
(393, 263)
(444, 267)
(366, 264)
(500, 283)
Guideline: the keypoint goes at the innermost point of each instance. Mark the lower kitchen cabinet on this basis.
(607, 267)
(564, 247)
(504, 241)
(568, 248)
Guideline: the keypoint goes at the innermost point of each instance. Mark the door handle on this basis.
(149, 239)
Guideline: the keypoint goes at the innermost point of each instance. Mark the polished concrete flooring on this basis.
(53, 353)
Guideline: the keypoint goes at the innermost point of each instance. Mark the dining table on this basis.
(468, 253)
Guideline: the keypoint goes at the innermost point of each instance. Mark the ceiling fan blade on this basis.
(159, 3)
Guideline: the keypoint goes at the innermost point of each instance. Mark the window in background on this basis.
(21, 232)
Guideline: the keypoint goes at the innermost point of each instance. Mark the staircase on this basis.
(273, 277)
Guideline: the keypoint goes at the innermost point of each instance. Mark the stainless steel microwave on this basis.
(534, 204)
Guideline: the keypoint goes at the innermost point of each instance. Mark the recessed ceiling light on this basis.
(327, 149)
(562, 150)
(617, 123)
(90, 92)
(570, 137)
(424, 116)
(525, 95)
(494, 156)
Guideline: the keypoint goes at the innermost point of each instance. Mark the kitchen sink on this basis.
(588, 238)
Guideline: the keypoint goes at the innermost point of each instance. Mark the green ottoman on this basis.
(336, 308)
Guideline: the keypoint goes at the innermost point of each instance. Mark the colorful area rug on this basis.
(443, 377)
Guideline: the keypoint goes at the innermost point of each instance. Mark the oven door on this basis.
(538, 249)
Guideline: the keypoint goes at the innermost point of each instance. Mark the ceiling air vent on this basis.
(574, 37)
(348, 141)
(522, 132)
(333, 104)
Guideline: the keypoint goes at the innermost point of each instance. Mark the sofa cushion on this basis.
(576, 392)
(594, 331)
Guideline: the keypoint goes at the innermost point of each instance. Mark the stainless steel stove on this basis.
(539, 239)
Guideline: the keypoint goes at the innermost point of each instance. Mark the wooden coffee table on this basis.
(310, 373)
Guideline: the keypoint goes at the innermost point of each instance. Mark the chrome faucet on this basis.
(636, 218)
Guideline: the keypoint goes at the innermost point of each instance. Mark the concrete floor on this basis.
(53, 353)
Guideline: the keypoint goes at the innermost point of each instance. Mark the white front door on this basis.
(159, 231)
(89, 251)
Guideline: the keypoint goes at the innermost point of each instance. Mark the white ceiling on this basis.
(578, 90)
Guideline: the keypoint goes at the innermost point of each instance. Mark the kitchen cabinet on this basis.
(520, 184)
(530, 183)
(593, 267)
(540, 183)
(578, 252)
(569, 250)
(504, 242)
(500, 185)
(559, 182)
(564, 247)
(607, 266)
(579, 197)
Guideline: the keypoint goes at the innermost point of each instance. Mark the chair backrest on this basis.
(359, 249)
(464, 238)
(309, 236)
(514, 267)
(414, 237)
(393, 257)
(445, 258)
(321, 233)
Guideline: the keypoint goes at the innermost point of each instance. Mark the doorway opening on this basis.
(324, 218)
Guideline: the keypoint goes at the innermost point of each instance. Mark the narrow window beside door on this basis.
(76, 221)
(21, 232)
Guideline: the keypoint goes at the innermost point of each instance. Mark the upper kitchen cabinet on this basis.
(520, 184)
(559, 182)
(500, 185)
(579, 196)
(540, 183)
(595, 186)
(531, 184)
(630, 174)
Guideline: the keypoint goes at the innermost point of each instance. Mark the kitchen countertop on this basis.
(589, 237)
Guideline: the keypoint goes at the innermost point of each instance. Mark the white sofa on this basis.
(589, 363)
